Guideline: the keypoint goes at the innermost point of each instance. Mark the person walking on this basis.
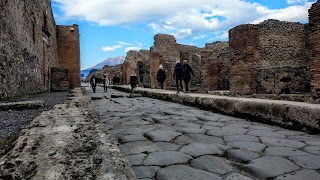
(93, 82)
(161, 76)
(187, 74)
(133, 81)
(178, 74)
(105, 82)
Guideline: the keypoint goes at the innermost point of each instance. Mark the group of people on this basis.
(95, 80)
(182, 71)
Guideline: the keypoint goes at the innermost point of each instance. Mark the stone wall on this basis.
(244, 58)
(69, 52)
(111, 71)
(59, 79)
(28, 47)
(314, 39)
(215, 63)
(284, 63)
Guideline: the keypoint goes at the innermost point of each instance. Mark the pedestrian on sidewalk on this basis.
(187, 74)
(178, 74)
(93, 82)
(105, 82)
(133, 81)
(161, 76)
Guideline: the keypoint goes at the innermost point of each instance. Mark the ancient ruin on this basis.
(31, 44)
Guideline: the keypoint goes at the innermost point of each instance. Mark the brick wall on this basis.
(69, 52)
(314, 39)
(59, 79)
(284, 63)
(244, 58)
(28, 47)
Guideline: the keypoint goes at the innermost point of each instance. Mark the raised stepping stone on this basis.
(241, 138)
(138, 147)
(22, 105)
(212, 164)
(300, 175)
(242, 155)
(164, 136)
(164, 146)
(307, 162)
(130, 138)
(182, 172)
(236, 176)
(136, 159)
(166, 158)
(199, 149)
(198, 138)
(313, 149)
(282, 142)
(116, 96)
(283, 152)
(96, 98)
(145, 171)
(252, 146)
(270, 166)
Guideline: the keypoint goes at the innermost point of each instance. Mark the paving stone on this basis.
(198, 138)
(227, 131)
(282, 142)
(306, 138)
(313, 149)
(238, 125)
(308, 162)
(182, 172)
(131, 131)
(133, 137)
(261, 127)
(217, 124)
(207, 127)
(135, 123)
(266, 133)
(138, 147)
(252, 146)
(187, 130)
(242, 155)
(166, 158)
(136, 159)
(270, 166)
(236, 176)
(165, 136)
(313, 143)
(283, 152)
(212, 164)
(291, 132)
(164, 146)
(300, 175)
(206, 118)
(199, 149)
(241, 138)
(188, 125)
(145, 171)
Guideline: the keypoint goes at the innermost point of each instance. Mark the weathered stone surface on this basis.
(308, 161)
(189, 130)
(313, 149)
(252, 146)
(165, 136)
(236, 176)
(266, 133)
(299, 175)
(136, 159)
(138, 147)
(130, 138)
(166, 158)
(242, 155)
(146, 171)
(212, 164)
(227, 131)
(198, 138)
(164, 146)
(241, 138)
(283, 152)
(22, 105)
(282, 142)
(270, 166)
(199, 149)
(185, 173)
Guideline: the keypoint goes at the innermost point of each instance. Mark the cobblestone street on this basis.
(164, 140)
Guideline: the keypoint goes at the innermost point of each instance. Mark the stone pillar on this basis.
(154, 67)
(314, 39)
(244, 41)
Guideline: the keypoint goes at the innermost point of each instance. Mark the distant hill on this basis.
(110, 61)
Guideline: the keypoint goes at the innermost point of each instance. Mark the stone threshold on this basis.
(289, 114)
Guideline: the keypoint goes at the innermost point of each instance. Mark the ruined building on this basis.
(36, 55)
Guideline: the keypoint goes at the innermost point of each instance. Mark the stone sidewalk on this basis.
(288, 114)
(164, 140)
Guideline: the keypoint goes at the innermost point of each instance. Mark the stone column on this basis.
(154, 67)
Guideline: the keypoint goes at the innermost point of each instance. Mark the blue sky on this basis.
(110, 28)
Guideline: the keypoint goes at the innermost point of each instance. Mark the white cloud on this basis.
(199, 37)
(111, 48)
(132, 48)
(181, 17)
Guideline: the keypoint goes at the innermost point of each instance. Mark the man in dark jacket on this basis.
(161, 76)
(187, 74)
(93, 82)
(178, 74)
